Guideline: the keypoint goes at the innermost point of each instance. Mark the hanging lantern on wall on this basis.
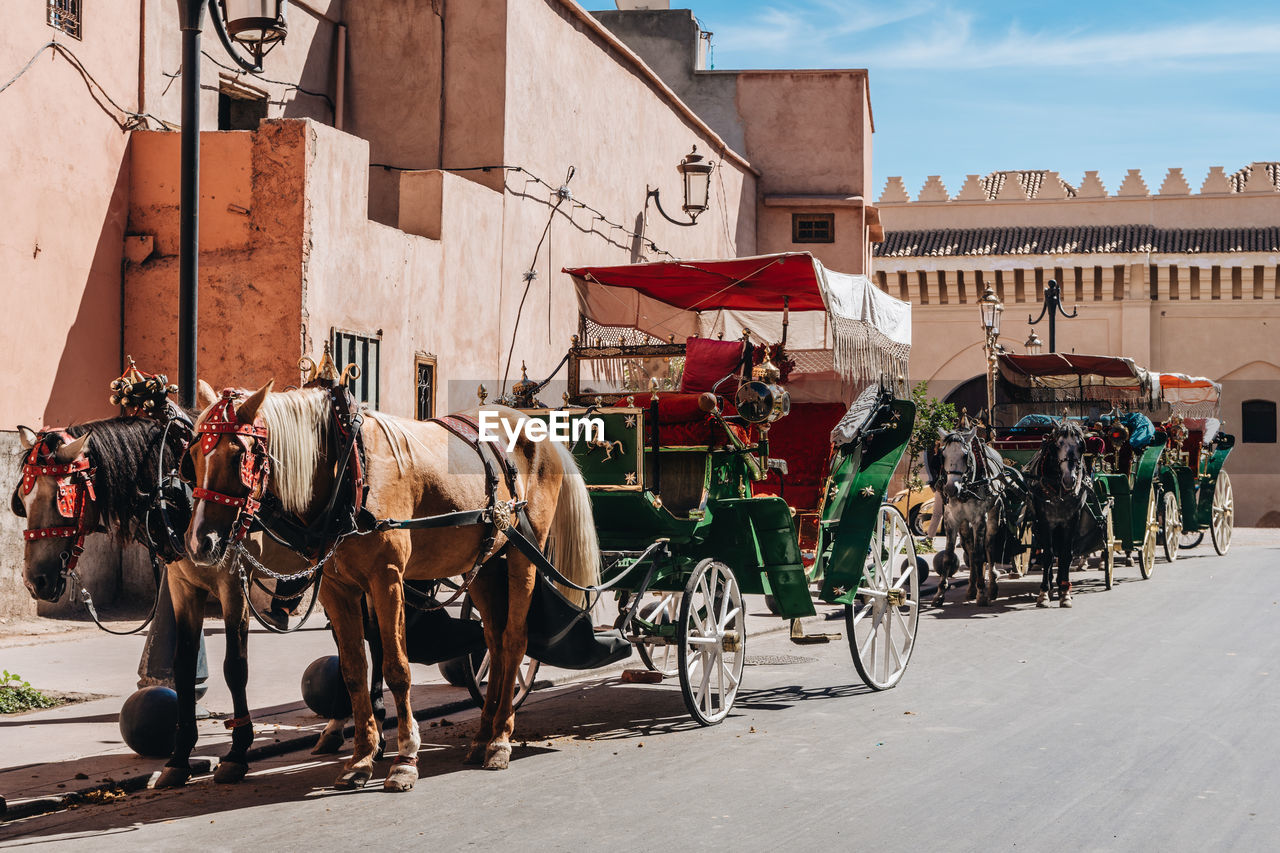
(696, 173)
(256, 24)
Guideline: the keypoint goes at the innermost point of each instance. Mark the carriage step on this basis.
(641, 676)
(800, 638)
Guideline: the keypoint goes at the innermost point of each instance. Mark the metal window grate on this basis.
(426, 387)
(64, 15)
(364, 351)
(813, 228)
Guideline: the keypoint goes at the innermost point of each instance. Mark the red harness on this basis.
(255, 463)
(75, 491)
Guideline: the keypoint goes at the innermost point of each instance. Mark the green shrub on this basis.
(17, 695)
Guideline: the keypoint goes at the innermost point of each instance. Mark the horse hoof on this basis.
(230, 772)
(329, 743)
(401, 778)
(1065, 601)
(498, 757)
(983, 601)
(173, 777)
(1042, 600)
(475, 755)
(353, 779)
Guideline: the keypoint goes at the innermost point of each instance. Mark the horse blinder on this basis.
(16, 504)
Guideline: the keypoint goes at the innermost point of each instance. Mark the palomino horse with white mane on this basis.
(289, 449)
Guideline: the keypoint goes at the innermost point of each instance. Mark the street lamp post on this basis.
(258, 26)
(991, 309)
(1052, 307)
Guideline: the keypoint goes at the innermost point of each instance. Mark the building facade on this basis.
(404, 181)
(1179, 279)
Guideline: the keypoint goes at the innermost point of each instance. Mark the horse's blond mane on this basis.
(298, 425)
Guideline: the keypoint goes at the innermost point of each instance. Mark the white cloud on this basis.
(924, 35)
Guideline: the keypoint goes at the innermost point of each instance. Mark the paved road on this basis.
(1142, 719)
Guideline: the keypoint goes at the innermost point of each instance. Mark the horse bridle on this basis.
(75, 492)
(969, 476)
(255, 461)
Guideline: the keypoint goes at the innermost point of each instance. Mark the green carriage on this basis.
(715, 475)
(1197, 491)
(1144, 447)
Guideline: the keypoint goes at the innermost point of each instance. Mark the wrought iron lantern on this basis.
(1033, 345)
(695, 174)
(255, 22)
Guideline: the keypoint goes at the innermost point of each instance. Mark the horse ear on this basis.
(28, 436)
(205, 395)
(942, 433)
(70, 452)
(248, 410)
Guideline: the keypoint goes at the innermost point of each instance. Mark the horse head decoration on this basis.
(227, 495)
(57, 497)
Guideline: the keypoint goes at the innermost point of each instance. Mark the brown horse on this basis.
(413, 469)
(119, 462)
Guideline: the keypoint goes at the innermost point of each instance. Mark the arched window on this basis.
(1258, 422)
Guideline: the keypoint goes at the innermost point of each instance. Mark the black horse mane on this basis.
(125, 453)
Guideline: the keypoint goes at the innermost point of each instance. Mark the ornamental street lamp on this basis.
(990, 308)
(1033, 344)
(257, 25)
(1052, 307)
(695, 174)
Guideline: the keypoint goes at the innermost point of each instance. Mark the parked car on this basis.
(917, 506)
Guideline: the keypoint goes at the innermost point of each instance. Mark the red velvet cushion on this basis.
(707, 361)
(683, 424)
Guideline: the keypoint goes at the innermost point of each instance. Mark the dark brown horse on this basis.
(414, 469)
(122, 462)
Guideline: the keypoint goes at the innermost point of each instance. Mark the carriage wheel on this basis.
(1170, 525)
(1147, 552)
(1190, 539)
(711, 642)
(1224, 514)
(1108, 549)
(474, 669)
(661, 611)
(883, 621)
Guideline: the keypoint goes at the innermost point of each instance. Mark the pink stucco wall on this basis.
(63, 208)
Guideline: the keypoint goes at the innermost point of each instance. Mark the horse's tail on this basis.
(573, 538)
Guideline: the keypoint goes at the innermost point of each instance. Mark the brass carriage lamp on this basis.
(1033, 344)
(256, 24)
(695, 174)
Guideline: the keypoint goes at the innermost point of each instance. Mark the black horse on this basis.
(982, 504)
(1061, 484)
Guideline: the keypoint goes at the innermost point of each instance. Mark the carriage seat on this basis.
(681, 423)
(803, 439)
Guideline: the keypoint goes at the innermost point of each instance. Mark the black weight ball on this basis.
(149, 721)
(323, 689)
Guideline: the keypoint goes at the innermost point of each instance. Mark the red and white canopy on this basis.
(867, 331)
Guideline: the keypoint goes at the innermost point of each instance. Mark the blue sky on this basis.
(967, 87)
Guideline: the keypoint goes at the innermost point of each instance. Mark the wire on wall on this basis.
(131, 120)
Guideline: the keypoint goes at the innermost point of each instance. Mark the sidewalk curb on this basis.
(11, 811)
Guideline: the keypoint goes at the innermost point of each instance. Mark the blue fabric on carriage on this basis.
(1141, 429)
(1034, 423)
